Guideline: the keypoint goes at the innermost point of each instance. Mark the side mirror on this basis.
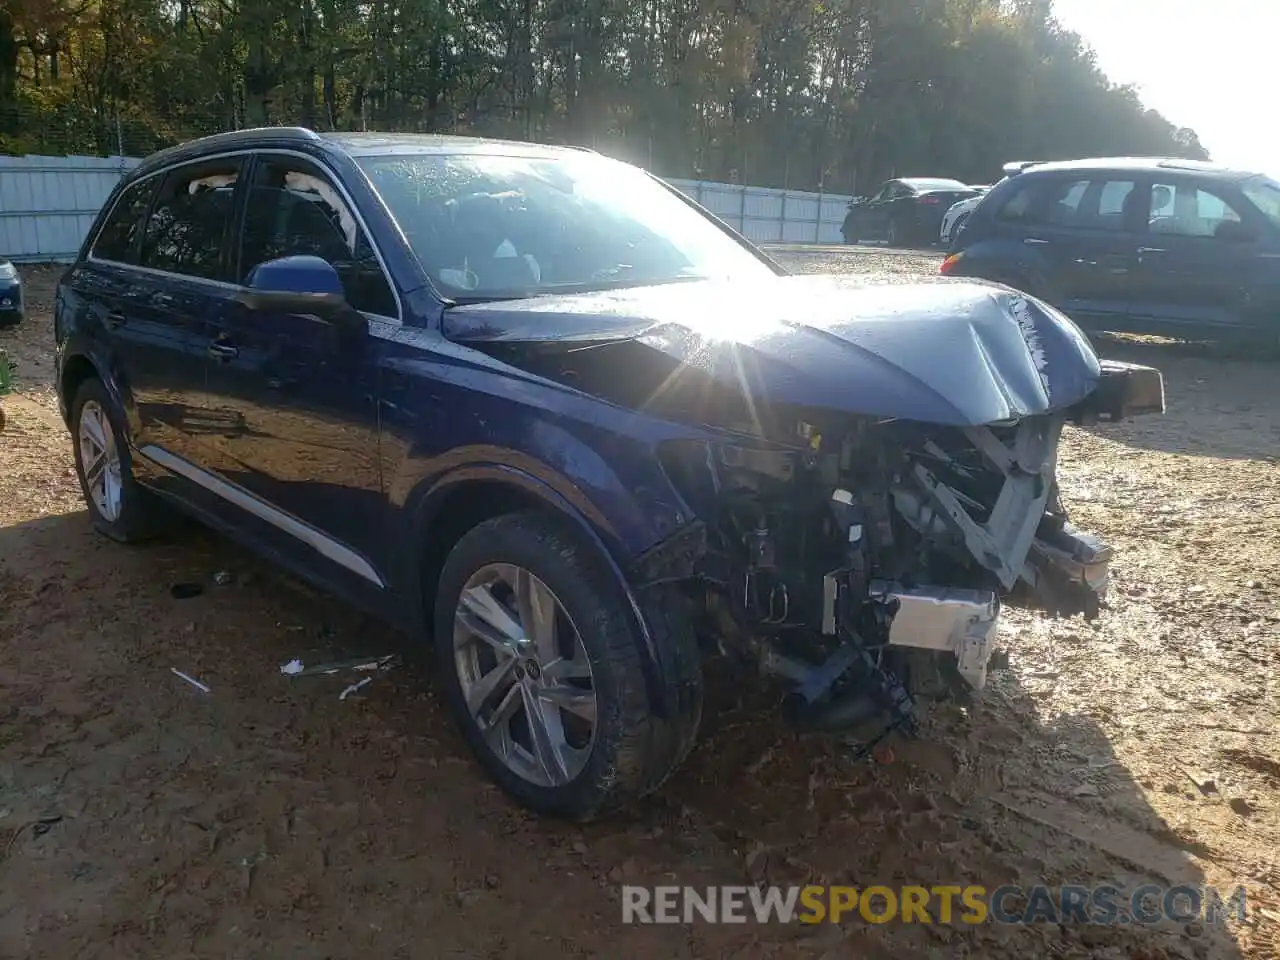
(301, 284)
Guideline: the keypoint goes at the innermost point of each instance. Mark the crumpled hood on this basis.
(937, 351)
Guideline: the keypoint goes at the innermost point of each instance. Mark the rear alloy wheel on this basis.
(100, 461)
(118, 506)
(537, 651)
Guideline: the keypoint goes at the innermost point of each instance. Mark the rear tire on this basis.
(118, 506)
(521, 593)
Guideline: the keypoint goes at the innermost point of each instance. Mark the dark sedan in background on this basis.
(11, 309)
(1171, 247)
(908, 210)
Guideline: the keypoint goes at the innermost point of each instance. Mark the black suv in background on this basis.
(1135, 245)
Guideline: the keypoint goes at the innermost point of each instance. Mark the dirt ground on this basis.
(141, 817)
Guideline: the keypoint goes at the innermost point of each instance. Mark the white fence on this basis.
(767, 215)
(47, 205)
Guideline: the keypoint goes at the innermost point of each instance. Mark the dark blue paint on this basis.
(299, 274)
(365, 434)
(934, 352)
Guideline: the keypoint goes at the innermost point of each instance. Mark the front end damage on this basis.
(865, 561)
(873, 474)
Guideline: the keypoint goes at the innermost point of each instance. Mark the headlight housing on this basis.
(8, 271)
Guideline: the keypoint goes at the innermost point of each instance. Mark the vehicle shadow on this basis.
(277, 818)
(1219, 403)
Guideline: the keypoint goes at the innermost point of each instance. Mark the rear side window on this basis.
(294, 209)
(190, 220)
(1083, 204)
(118, 238)
(1063, 209)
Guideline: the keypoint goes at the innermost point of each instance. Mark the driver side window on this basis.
(1184, 210)
(294, 209)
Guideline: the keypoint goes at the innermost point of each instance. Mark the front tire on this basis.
(543, 673)
(118, 506)
(895, 233)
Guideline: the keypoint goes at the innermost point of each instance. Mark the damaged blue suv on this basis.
(576, 436)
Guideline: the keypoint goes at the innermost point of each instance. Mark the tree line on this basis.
(807, 94)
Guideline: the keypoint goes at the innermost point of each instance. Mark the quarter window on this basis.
(190, 219)
(118, 238)
(293, 210)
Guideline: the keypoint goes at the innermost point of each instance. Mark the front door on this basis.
(880, 207)
(1197, 261)
(303, 454)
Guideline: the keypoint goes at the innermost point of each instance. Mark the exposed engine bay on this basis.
(832, 560)
(874, 488)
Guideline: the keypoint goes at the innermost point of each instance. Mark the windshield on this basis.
(490, 227)
(1264, 194)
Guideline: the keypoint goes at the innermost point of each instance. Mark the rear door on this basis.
(1081, 235)
(181, 281)
(302, 456)
(151, 274)
(1198, 259)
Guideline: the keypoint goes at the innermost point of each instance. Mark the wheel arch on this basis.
(466, 497)
(75, 368)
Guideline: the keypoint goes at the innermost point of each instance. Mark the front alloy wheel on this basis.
(538, 649)
(525, 674)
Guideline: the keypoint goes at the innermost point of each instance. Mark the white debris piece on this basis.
(191, 680)
(292, 668)
(354, 687)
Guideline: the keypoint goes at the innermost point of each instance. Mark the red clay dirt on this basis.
(142, 817)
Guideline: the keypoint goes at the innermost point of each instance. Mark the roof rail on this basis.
(228, 138)
(1017, 166)
(252, 133)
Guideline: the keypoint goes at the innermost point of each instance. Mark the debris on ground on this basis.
(191, 680)
(296, 668)
(354, 688)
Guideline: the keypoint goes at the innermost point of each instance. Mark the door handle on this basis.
(223, 351)
(1034, 241)
(115, 320)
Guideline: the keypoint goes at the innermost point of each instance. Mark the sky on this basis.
(1204, 64)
